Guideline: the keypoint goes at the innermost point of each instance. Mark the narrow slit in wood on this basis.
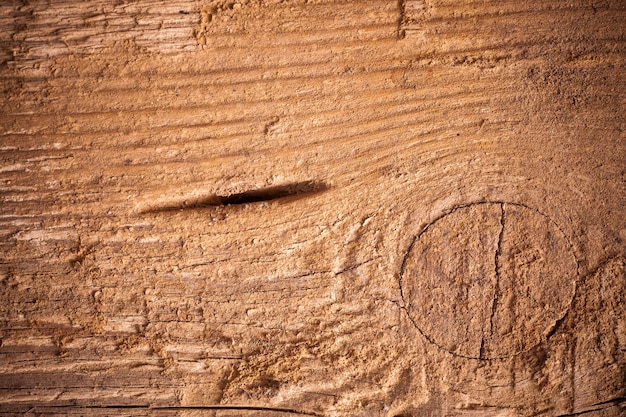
(290, 190)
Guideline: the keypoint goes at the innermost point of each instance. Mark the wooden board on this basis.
(328, 208)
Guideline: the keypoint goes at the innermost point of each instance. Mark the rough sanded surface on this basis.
(332, 208)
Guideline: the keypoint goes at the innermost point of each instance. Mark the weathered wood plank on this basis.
(130, 285)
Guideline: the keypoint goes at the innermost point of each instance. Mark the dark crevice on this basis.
(401, 18)
(481, 350)
(291, 191)
(299, 189)
(573, 370)
(405, 257)
(182, 408)
(496, 289)
(615, 402)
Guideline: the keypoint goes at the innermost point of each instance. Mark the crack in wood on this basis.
(401, 18)
(615, 401)
(291, 191)
(182, 408)
(603, 405)
(496, 289)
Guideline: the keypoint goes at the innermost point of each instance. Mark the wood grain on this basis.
(131, 285)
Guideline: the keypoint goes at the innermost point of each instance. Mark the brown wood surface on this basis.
(329, 208)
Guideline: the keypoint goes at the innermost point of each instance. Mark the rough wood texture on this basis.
(330, 208)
